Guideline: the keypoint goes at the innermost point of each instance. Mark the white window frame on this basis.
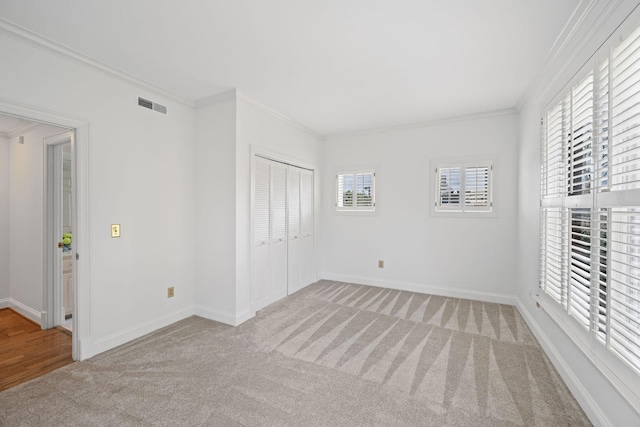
(354, 172)
(558, 199)
(437, 209)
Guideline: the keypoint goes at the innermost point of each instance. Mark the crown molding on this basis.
(216, 99)
(24, 35)
(429, 123)
(586, 20)
(279, 116)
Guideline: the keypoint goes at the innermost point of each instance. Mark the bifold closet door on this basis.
(300, 228)
(269, 263)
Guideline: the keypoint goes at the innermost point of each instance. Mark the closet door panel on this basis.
(293, 207)
(260, 269)
(278, 254)
(307, 226)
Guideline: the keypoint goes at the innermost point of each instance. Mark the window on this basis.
(355, 191)
(463, 187)
(590, 202)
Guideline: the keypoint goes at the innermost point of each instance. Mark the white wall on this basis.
(466, 257)
(215, 210)
(4, 221)
(600, 400)
(228, 127)
(26, 219)
(263, 131)
(141, 175)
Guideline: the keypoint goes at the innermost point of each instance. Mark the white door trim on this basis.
(52, 292)
(82, 342)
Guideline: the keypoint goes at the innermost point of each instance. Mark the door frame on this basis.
(53, 160)
(82, 346)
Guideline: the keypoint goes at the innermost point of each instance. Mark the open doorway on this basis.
(33, 300)
(34, 348)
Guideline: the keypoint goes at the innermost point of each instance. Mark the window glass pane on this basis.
(625, 285)
(581, 147)
(580, 266)
(345, 190)
(476, 186)
(364, 189)
(450, 179)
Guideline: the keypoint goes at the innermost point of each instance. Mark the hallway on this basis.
(26, 351)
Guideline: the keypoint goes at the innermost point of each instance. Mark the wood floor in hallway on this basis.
(27, 351)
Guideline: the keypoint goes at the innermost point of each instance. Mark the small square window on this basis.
(355, 191)
(463, 187)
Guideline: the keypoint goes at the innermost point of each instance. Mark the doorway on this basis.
(82, 346)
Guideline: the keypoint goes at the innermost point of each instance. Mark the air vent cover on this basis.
(145, 103)
(152, 105)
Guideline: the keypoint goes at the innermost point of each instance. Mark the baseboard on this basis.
(233, 319)
(586, 401)
(25, 310)
(107, 343)
(4, 303)
(424, 289)
(259, 305)
(294, 290)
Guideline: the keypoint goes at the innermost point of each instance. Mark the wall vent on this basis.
(152, 105)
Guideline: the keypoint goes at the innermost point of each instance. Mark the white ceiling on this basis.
(331, 65)
(10, 125)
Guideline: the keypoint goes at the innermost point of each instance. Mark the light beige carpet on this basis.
(333, 354)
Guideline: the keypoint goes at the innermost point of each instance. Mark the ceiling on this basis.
(333, 66)
(10, 125)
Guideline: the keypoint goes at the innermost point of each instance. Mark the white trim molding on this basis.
(24, 35)
(428, 123)
(122, 337)
(588, 403)
(241, 96)
(23, 309)
(82, 304)
(222, 316)
(424, 288)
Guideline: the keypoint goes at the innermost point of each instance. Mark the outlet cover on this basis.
(170, 292)
(380, 263)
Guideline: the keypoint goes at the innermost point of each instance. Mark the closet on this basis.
(282, 257)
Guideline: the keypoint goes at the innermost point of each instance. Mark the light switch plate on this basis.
(115, 230)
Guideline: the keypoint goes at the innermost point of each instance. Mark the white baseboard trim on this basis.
(23, 309)
(107, 343)
(228, 318)
(586, 401)
(424, 289)
(259, 305)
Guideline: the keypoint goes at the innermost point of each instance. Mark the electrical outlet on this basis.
(380, 263)
(170, 292)
(115, 230)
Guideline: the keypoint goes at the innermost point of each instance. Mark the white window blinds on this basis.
(463, 188)
(355, 191)
(590, 198)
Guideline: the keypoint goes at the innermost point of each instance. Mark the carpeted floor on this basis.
(333, 354)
